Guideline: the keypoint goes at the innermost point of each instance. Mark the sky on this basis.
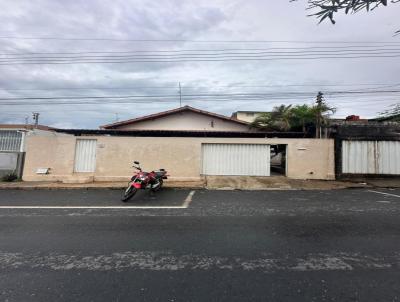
(113, 51)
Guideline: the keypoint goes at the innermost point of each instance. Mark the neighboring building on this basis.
(349, 120)
(367, 149)
(182, 119)
(395, 118)
(246, 116)
(12, 146)
(23, 127)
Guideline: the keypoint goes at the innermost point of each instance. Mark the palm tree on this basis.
(324, 111)
(279, 119)
(282, 116)
(263, 121)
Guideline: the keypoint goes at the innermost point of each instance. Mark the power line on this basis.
(173, 100)
(217, 54)
(205, 56)
(177, 58)
(290, 93)
(192, 41)
(201, 50)
(194, 87)
(201, 60)
(204, 52)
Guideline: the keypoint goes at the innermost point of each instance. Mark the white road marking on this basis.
(185, 205)
(383, 201)
(93, 207)
(383, 193)
(188, 199)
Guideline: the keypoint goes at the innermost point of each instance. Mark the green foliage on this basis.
(277, 120)
(325, 111)
(302, 116)
(288, 117)
(9, 177)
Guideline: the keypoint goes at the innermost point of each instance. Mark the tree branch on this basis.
(328, 8)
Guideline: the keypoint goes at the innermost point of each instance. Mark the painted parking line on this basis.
(92, 207)
(185, 205)
(383, 193)
(188, 199)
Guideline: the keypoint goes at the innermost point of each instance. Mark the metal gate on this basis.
(236, 159)
(11, 152)
(85, 155)
(371, 157)
(11, 140)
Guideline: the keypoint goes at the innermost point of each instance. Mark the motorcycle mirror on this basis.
(136, 162)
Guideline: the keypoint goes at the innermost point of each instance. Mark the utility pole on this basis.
(319, 101)
(36, 118)
(26, 121)
(116, 117)
(180, 95)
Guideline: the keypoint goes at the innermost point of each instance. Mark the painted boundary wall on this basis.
(180, 156)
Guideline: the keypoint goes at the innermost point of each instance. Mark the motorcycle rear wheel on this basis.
(129, 193)
(159, 187)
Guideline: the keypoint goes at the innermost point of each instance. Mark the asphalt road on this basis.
(182, 245)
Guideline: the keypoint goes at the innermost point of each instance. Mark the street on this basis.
(200, 245)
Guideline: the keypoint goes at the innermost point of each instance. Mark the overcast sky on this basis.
(189, 21)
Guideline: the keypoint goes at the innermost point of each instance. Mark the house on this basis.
(246, 116)
(12, 146)
(182, 119)
(191, 144)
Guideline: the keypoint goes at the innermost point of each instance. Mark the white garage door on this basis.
(85, 155)
(236, 159)
(371, 157)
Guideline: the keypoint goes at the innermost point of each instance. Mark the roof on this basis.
(394, 117)
(24, 126)
(248, 111)
(170, 112)
(180, 133)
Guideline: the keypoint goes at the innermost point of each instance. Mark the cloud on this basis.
(183, 20)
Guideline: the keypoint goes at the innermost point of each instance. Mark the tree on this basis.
(263, 121)
(282, 116)
(328, 8)
(302, 115)
(322, 112)
(279, 119)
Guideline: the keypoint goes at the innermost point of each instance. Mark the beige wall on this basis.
(186, 120)
(247, 116)
(181, 157)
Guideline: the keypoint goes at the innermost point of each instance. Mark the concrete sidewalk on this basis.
(37, 185)
(284, 183)
(223, 183)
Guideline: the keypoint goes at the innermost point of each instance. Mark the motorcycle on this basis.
(144, 180)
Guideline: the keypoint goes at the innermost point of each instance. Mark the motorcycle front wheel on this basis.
(128, 194)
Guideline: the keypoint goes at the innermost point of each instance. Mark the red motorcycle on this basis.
(144, 180)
